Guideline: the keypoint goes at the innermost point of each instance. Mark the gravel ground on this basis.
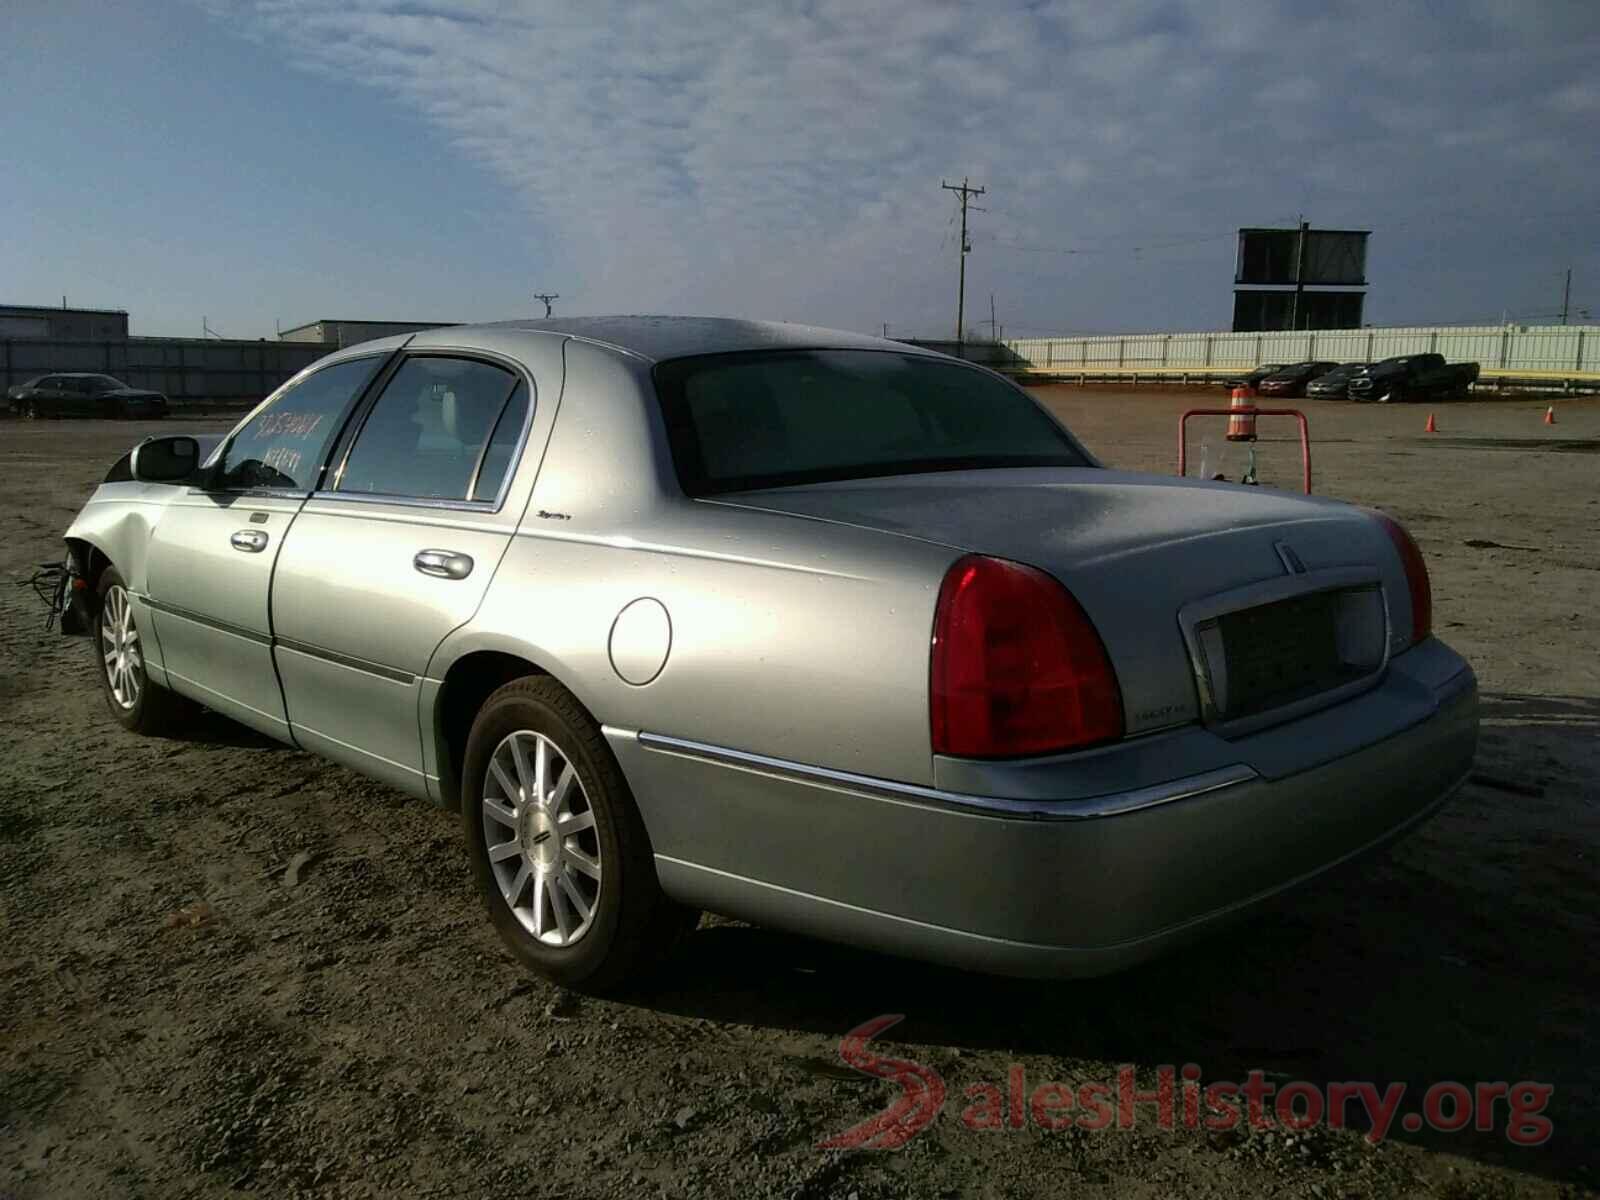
(228, 966)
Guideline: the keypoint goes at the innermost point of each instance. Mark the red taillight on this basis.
(1017, 666)
(1416, 577)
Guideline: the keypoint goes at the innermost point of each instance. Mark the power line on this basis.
(1143, 248)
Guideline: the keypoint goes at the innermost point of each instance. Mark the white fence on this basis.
(1555, 349)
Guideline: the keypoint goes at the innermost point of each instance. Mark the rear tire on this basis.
(138, 703)
(569, 880)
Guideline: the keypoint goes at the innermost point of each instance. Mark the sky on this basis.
(257, 165)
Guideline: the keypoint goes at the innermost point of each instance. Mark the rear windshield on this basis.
(775, 418)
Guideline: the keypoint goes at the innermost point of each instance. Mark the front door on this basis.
(213, 550)
(395, 552)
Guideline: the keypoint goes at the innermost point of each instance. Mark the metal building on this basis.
(43, 321)
(335, 333)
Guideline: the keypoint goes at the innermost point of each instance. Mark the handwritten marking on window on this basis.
(288, 424)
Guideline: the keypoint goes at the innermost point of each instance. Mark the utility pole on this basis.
(1299, 276)
(966, 193)
(994, 326)
(1566, 297)
(547, 297)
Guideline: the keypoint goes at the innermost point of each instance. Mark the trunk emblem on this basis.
(1291, 560)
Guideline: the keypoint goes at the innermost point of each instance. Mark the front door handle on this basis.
(251, 541)
(446, 564)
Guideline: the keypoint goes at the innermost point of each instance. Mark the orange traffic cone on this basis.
(1550, 415)
(1430, 427)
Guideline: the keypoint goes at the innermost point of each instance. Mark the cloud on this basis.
(785, 161)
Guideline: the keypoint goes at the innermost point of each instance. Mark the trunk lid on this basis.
(1134, 549)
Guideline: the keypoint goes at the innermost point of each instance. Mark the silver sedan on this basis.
(817, 630)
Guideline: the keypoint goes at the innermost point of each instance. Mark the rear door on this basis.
(92, 401)
(212, 552)
(70, 396)
(396, 551)
(48, 397)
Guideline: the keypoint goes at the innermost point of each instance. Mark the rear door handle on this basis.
(445, 564)
(251, 541)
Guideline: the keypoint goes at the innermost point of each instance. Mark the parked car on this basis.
(80, 394)
(822, 631)
(1413, 377)
(1292, 380)
(1253, 378)
(1333, 385)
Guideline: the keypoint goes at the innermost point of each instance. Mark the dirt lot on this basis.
(179, 1020)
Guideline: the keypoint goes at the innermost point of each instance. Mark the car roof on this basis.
(658, 338)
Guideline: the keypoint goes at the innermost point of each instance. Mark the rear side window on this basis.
(283, 444)
(443, 429)
(771, 419)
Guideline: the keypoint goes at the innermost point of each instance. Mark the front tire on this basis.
(558, 848)
(138, 704)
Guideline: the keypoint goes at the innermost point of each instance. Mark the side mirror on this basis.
(165, 460)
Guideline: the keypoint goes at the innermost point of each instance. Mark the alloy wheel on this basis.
(120, 649)
(539, 831)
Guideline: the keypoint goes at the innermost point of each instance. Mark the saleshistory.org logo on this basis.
(1179, 1098)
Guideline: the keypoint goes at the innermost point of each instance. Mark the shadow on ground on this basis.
(1394, 970)
(213, 729)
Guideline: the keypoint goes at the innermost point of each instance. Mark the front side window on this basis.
(443, 429)
(283, 445)
(773, 419)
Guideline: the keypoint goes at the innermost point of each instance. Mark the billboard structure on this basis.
(1274, 268)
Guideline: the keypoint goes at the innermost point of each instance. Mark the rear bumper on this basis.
(1032, 885)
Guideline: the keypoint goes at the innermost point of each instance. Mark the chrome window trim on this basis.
(273, 493)
(475, 506)
(404, 355)
(219, 456)
(1090, 808)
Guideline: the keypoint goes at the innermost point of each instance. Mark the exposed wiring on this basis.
(49, 582)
